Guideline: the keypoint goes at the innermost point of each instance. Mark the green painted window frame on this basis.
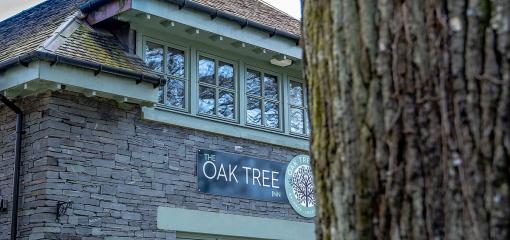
(187, 72)
(280, 101)
(241, 63)
(304, 107)
(216, 86)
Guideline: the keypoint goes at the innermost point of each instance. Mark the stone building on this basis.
(154, 119)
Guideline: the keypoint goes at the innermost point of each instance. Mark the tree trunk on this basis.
(410, 110)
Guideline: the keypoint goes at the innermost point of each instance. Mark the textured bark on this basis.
(410, 109)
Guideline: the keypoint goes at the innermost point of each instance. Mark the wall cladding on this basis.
(34, 163)
(117, 169)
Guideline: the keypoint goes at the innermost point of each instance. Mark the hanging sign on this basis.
(236, 175)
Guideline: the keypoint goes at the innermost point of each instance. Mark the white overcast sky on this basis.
(11, 7)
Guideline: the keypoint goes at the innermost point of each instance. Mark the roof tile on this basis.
(28, 30)
(258, 11)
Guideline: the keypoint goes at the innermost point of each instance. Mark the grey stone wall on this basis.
(116, 169)
(33, 168)
(7, 136)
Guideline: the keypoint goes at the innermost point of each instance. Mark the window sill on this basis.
(224, 128)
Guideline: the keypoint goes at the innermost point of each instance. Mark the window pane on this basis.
(206, 70)
(154, 56)
(308, 123)
(207, 100)
(254, 111)
(296, 93)
(175, 91)
(296, 120)
(161, 94)
(175, 62)
(226, 104)
(271, 113)
(270, 87)
(253, 85)
(226, 75)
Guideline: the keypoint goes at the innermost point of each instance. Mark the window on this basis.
(171, 62)
(298, 113)
(216, 88)
(263, 99)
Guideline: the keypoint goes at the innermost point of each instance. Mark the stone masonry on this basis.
(115, 168)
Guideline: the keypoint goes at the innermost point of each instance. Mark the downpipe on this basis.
(17, 164)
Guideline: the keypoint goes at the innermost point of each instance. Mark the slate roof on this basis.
(29, 31)
(258, 11)
(87, 44)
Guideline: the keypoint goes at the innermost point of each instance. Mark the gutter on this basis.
(17, 164)
(27, 58)
(92, 5)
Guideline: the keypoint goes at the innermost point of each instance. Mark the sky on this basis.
(11, 7)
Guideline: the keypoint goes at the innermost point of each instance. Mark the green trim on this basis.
(219, 26)
(241, 64)
(185, 79)
(304, 107)
(281, 97)
(195, 236)
(224, 128)
(41, 76)
(216, 86)
(194, 221)
(18, 75)
(105, 82)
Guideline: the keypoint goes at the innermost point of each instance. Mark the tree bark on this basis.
(410, 113)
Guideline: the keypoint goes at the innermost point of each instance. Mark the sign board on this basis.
(241, 176)
(300, 187)
(236, 175)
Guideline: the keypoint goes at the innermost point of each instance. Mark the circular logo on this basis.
(299, 186)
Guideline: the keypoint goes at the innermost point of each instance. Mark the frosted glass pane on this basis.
(226, 75)
(296, 93)
(206, 101)
(254, 111)
(272, 114)
(296, 120)
(175, 62)
(154, 56)
(253, 84)
(206, 70)
(270, 87)
(175, 91)
(226, 106)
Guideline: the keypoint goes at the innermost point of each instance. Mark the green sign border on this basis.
(308, 212)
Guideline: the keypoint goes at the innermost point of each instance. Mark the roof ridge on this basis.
(60, 35)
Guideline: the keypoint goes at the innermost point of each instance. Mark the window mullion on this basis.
(165, 68)
(263, 99)
(216, 88)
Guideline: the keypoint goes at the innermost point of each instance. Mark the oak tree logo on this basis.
(302, 186)
(299, 186)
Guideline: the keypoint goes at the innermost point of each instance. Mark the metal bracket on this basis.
(99, 70)
(3, 205)
(62, 209)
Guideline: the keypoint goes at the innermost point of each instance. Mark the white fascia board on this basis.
(103, 82)
(219, 26)
(18, 75)
(222, 128)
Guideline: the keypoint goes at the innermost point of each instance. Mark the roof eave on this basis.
(93, 5)
(27, 58)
